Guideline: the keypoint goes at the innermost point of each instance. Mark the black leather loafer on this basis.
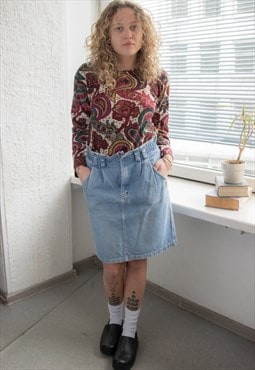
(109, 338)
(125, 354)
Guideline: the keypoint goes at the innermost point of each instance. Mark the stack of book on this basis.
(228, 196)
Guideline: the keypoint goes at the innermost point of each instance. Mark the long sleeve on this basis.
(161, 115)
(80, 114)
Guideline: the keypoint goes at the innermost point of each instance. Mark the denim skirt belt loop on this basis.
(129, 205)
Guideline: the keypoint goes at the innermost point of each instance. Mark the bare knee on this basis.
(137, 265)
(114, 271)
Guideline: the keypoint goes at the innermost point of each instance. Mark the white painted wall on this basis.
(35, 144)
(83, 243)
(80, 15)
(43, 46)
(212, 266)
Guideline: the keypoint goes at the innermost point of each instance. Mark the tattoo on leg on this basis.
(114, 300)
(132, 303)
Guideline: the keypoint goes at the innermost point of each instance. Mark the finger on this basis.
(157, 166)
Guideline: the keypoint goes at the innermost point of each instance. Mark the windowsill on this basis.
(207, 157)
(188, 198)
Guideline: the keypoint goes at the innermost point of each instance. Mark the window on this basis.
(178, 58)
(212, 8)
(245, 56)
(179, 8)
(245, 6)
(208, 49)
(210, 57)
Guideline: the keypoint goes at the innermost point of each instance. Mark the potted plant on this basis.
(233, 170)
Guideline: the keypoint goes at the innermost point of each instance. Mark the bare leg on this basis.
(135, 284)
(113, 279)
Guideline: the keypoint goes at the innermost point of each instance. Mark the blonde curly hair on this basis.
(103, 59)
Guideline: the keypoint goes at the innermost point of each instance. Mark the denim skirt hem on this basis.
(136, 257)
(129, 204)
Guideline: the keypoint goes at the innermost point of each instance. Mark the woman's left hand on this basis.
(162, 167)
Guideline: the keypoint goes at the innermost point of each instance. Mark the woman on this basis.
(122, 156)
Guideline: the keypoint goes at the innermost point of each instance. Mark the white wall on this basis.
(83, 243)
(212, 266)
(43, 46)
(80, 15)
(35, 144)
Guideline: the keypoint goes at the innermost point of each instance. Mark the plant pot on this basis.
(233, 173)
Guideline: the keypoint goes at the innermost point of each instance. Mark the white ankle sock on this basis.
(116, 313)
(130, 322)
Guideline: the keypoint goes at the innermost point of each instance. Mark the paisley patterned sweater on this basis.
(120, 119)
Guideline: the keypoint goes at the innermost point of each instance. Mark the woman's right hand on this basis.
(83, 172)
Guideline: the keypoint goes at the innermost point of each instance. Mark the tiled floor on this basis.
(59, 329)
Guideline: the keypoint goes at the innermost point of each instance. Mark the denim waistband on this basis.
(142, 152)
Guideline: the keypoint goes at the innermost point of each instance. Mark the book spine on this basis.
(224, 192)
(224, 203)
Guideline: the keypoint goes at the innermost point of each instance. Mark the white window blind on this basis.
(208, 49)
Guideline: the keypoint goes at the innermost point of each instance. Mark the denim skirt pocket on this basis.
(158, 173)
(87, 180)
(153, 159)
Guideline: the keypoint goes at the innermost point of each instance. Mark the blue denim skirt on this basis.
(129, 204)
